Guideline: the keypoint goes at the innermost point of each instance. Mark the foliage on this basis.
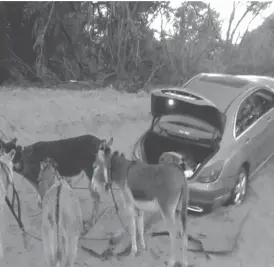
(113, 42)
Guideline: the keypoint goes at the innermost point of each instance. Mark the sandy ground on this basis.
(34, 115)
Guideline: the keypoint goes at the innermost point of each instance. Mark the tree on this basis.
(113, 42)
(251, 10)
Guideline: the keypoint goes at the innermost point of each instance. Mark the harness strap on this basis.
(56, 176)
(7, 170)
(14, 196)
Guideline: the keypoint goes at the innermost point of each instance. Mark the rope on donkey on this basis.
(117, 210)
(11, 207)
(17, 217)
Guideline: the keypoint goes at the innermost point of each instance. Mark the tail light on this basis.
(211, 173)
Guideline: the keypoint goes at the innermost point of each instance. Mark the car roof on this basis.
(221, 89)
(263, 80)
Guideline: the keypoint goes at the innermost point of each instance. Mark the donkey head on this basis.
(8, 146)
(7, 157)
(101, 163)
(48, 163)
(47, 175)
(6, 164)
(11, 145)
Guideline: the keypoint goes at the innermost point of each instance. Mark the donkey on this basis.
(61, 216)
(6, 179)
(143, 188)
(73, 156)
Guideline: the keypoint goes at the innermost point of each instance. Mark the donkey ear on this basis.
(182, 165)
(42, 165)
(110, 142)
(13, 141)
(2, 147)
(11, 154)
(103, 145)
(53, 163)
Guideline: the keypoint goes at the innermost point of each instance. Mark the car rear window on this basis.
(226, 81)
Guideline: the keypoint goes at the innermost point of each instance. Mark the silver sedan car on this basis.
(221, 125)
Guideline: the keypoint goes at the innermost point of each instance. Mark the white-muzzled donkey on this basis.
(61, 216)
(145, 187)
(6, 179)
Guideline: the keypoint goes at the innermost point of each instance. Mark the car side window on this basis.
(264, 101)
(247, 115)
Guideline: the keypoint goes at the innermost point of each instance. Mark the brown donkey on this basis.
(6, 179)
(143, 188)
(61, 216)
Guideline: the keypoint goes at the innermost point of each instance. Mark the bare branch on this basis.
(152, 74)
(240, 21)
(247, 29)
(231, 19)
(212, 25)
(41, 38)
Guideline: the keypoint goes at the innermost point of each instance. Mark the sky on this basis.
(224, 8)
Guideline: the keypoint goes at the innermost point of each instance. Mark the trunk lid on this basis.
(194, 117)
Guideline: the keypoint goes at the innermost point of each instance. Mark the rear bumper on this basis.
(207, 199)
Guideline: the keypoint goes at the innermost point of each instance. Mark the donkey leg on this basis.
(39, 201)
(184, 252)
(48, 247)
(93, 192)
(95, 196)
(140, 228)
(2, 224)
(1, 248)
(169, 218)
(133, 230)
(184, 234)
(72, 251)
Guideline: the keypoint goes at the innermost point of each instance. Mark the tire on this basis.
(239, 192)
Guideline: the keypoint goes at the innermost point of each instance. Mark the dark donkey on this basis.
(160, 187)
(72, 155)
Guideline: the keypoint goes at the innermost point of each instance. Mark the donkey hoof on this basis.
(179, 235)
(134, 252)
(143, 247)
(171, 263)
(39, 203)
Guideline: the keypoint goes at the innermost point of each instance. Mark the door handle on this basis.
(247, 140)
(269, 119)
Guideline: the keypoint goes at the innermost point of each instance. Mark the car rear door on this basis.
(250, 132)
(265, 100)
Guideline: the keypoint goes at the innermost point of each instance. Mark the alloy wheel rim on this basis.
(240, 189)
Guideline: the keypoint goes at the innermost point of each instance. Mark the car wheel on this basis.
(238, 194)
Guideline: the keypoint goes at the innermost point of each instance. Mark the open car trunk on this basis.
(185, 124)
(155, 145)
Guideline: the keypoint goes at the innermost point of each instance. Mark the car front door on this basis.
(251, 131)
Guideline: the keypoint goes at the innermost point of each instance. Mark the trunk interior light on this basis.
(170, 102)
